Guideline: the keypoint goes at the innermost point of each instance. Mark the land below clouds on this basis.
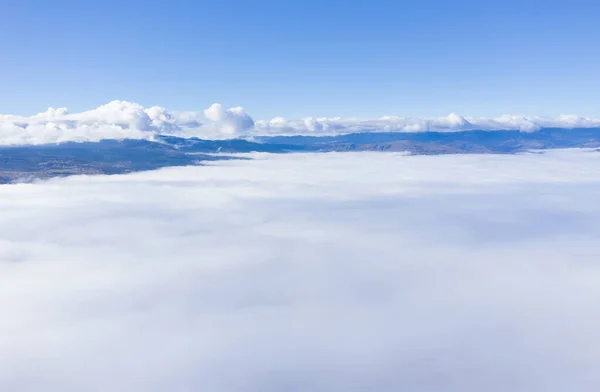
(31, 162)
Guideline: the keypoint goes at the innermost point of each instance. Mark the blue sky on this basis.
(308, 58)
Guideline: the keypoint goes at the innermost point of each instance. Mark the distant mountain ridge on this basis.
(22, 163)
(457, 142)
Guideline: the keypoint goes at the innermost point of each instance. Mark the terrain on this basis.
(31, 162)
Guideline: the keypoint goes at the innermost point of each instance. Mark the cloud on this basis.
(232, 121)
(341, 271)
(115, 120)
(127, 120)
(122, 120)
(450, 123)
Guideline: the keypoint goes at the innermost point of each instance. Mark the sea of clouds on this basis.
(127, 120)
(321, 272)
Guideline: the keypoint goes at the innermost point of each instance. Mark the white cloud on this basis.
(115, 120)
(452, 122)
(319, 272)
(120, 119)
(233, 121)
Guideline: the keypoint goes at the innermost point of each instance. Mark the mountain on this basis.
(456, 142)
(24, 163)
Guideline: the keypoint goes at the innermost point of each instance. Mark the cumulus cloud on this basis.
(321, 272)
(451, 123)
(233, 121)
(115, 120)
(127, 120)
(122, 120)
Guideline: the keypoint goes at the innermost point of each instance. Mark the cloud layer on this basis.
(321, 272)
(121, 120)
(450, 123)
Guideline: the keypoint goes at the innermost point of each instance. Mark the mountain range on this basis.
(31, 162)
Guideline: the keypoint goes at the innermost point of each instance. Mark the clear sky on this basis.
(304, 58)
